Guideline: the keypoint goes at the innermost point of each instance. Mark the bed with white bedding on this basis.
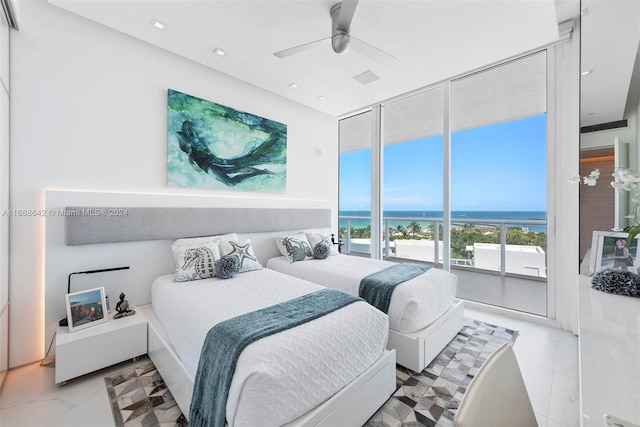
(423, 313)
(284, 376)
(415, 304)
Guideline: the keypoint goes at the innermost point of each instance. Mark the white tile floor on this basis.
(548, 359)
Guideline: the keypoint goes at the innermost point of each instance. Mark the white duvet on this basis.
(415, 304)
(285, 375)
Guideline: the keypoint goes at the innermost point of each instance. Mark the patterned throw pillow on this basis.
(195, 262)
(321, 251)
(244, 252)
(227, 267)
(315, 238)
(295, 247)
(617, 281)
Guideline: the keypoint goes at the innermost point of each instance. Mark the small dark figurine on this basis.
(122, 308)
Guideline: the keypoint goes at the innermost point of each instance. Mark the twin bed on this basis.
(288, 377)
(423, 313)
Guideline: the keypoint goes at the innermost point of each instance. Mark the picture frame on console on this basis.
(86, 308)
(607, 251)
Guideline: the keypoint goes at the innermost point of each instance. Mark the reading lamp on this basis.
(64, 322)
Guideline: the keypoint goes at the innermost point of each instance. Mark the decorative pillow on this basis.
(617, 281)
(199, 240)
(227, 267)
(315, 238)
(244, 252)
(295, 247)
(321, 251)
(194, 262)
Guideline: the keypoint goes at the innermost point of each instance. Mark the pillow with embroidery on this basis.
(295, 247)
(315, 238)
(195, 262)
(244, 252)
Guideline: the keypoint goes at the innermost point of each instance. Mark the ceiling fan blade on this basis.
(372, 52)
(347, 10)
(302, 48)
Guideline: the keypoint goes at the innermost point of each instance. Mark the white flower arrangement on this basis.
(624, 179)
(589, 180)
(627, 180)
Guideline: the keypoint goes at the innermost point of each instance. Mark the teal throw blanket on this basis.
(226, 340)
(378, 287)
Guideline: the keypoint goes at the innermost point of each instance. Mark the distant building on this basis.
(519, 259)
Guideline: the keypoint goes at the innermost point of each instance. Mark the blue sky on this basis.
(500, 167)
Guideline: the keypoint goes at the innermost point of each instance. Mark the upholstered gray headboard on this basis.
(92, 225)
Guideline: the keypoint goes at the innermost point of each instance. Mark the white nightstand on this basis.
(99, 346)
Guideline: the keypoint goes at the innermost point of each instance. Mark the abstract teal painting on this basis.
(211, 146)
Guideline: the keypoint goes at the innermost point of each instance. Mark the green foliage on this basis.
(461, 237)
(633, 231)
(414, 228)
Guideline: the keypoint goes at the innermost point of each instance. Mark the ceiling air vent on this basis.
(604, 126)
(366, 77)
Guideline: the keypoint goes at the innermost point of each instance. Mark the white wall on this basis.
(89, 113)
(4, 196)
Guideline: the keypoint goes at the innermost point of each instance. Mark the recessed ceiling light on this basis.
(157, 24)
(294, 85)
(322, 98)
(219, 51)
(584, 73)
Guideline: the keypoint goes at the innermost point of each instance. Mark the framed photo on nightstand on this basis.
(610, 249)
(86, 308)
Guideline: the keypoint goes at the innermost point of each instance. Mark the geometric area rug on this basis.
(431, 397)
(140, 398)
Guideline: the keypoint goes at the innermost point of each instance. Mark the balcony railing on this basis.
(526, 264)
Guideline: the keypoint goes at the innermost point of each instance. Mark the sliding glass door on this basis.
(498, 184)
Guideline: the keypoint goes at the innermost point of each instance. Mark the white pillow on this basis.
(244, 252)
(295, 247)
(315, 238)
(195, 262)
(198, 240)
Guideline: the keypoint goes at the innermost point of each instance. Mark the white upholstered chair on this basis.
(497, 396)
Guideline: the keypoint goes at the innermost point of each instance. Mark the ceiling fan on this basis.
(341, 39)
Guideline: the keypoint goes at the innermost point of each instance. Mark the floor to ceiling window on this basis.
(413, 177)
(497, 182)
(355, 183)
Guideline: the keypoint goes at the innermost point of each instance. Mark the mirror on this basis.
(609, 110)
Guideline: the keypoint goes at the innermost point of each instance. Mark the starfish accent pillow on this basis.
(243, 251)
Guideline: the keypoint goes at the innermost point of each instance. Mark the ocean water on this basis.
(457, 216)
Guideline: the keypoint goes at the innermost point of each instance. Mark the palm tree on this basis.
(400, 229)
(414, 228)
